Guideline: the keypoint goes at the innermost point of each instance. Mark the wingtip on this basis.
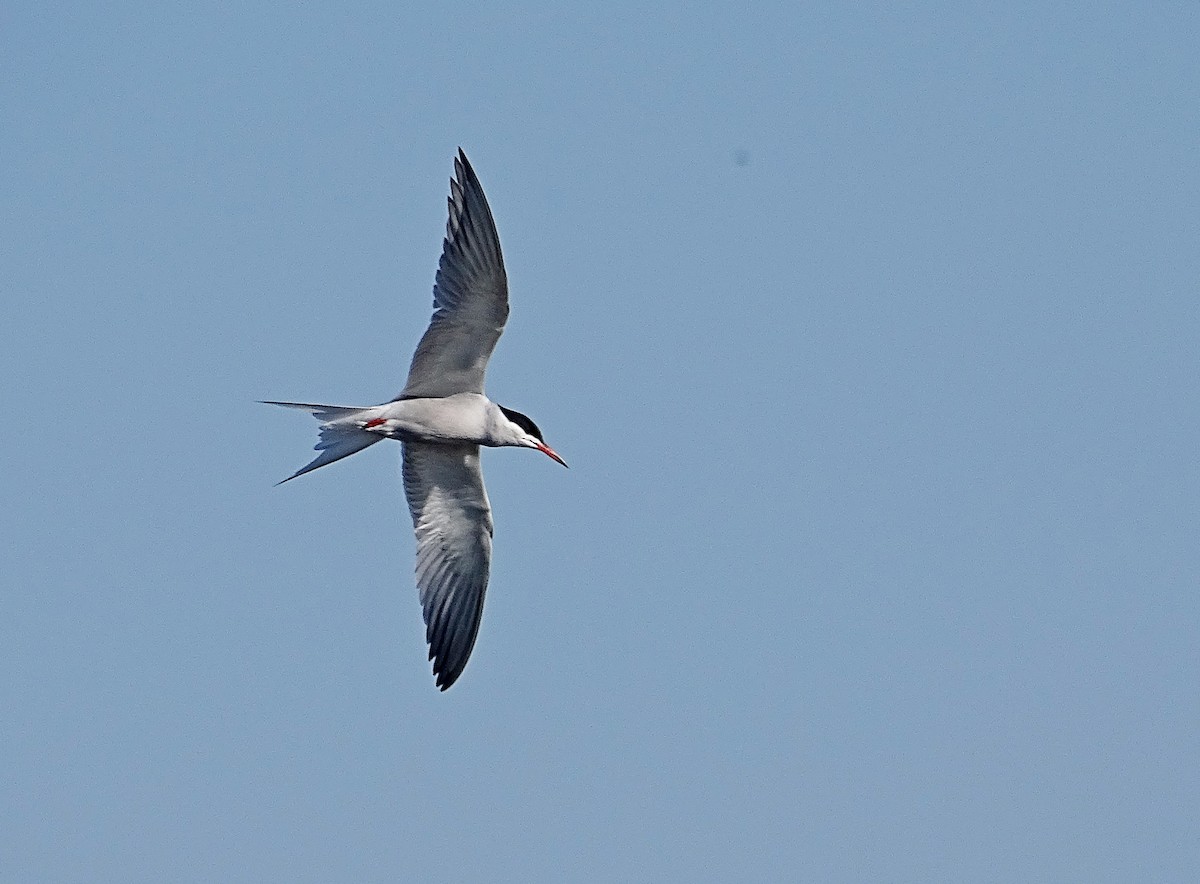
(443, 676)
(462, 167)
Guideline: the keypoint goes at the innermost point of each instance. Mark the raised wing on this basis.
(453, 523)
(470, 297)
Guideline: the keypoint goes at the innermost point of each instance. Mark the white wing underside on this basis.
(470, 297)
(453, 523)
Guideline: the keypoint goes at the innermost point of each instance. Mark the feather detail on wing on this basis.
(470, 297)
(453, 523)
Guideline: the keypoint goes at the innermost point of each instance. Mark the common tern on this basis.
(442, 417)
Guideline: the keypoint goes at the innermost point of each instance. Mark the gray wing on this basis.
(470, 297)
(453, 523)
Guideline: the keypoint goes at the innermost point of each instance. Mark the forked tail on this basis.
(341, 433)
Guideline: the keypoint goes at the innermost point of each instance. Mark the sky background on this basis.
(869, 332)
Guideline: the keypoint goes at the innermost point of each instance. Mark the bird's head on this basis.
(525, 433)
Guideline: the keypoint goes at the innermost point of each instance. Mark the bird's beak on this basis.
(551, 453)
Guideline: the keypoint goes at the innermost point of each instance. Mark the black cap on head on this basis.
(523, 422)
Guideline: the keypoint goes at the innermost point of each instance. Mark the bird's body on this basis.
(443, 417)
(463, 417)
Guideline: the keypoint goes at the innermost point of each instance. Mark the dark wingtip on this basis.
(463, 169)
(443, 677)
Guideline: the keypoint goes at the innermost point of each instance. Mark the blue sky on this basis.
(869, 333)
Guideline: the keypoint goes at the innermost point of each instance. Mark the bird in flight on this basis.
(441, 418)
